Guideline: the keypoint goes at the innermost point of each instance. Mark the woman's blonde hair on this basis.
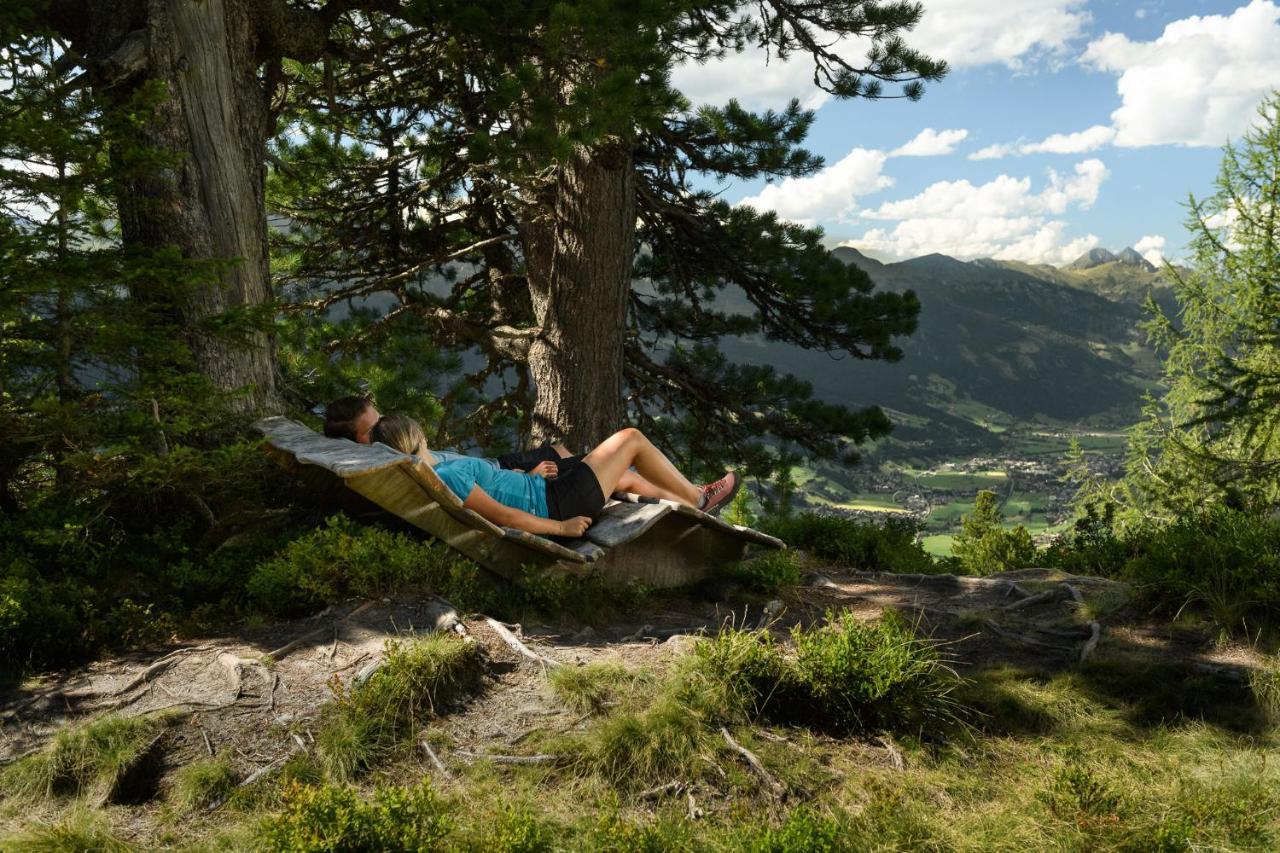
(401, 432)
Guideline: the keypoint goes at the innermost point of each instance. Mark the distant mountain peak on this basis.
(1097, 257)
(1130, 257)
(1092, 258)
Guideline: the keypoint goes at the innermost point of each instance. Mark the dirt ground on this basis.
(254, 697)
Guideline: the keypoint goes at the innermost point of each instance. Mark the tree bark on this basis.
(211, 204)
(578, 257)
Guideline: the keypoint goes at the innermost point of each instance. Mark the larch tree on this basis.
(561, 235)
(1213, 436)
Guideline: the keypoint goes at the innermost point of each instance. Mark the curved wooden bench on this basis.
(660, 544)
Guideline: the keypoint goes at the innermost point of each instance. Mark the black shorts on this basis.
(525, 460)
(575, 492)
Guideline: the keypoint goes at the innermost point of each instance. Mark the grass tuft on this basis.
(81, 831)
(201, 783)
(595, 686)
(95, 755)
(417, 679)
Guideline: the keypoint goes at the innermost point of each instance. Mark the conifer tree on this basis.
(1214, 435)
(591, 277)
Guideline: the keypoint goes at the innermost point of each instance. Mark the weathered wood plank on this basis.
(659, 544)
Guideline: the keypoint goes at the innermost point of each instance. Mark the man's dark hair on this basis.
(341, 415)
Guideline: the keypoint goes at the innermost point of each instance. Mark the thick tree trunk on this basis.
(578, 257)
(211, 206)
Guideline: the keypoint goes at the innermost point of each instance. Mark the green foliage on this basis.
(201, 783)
(343, 559)
(417, 678)
(332, 819)
(1092, 546)
(92, 756)
(803, 831)
(1214, 435)
(858, 545)
(1222, 562)
(984, 547)
(1264, 683)
(769, 572)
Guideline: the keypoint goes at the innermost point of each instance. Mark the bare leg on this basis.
(613, 456)
(633, 483)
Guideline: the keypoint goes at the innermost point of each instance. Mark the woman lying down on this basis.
(567, 504)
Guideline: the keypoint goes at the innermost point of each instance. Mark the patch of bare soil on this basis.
(253, 699)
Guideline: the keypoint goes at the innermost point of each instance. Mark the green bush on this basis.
(861, 545)
(1092, 547)
(344, 559)
(1222, 562)
(769, 572)
(330, 818)
(984, 547)
(803, 831)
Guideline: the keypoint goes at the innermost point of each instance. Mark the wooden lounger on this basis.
(659, 544)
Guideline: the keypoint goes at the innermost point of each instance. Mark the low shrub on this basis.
(769, 572)
(803, 831)
(343, 559)
(319, 819)
(1222, 562)
(417, 678)
(861, 545)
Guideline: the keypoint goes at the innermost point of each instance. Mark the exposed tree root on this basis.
(290, 646)
(509, 759)
(513, 642)
(774, 787)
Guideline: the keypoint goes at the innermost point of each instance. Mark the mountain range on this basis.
(999, 343)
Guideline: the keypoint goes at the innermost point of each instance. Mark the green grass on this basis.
(80, 831)
(201, 783)
(418, 678)
(939, 545)
(594, 687)
(92, 757)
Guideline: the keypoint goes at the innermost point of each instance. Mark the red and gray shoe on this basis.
(717, 495)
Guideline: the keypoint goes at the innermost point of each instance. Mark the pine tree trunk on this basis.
(578, 257)
(211, 207)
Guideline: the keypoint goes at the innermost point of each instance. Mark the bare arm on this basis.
(479, 501)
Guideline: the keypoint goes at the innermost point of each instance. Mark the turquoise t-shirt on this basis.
(521, 491)
(443, 456)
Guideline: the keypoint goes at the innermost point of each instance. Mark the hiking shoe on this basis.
(718, 494)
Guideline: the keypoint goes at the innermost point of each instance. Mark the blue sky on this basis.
(1063, 125)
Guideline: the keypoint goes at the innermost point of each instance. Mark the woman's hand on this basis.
(574, 527)
(545, 470)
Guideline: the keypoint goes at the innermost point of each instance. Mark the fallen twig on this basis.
(435, 760)
(509, 759)
(255, 776)
(673, 787)
(513, 642)
(774, 786)
(1095, 634)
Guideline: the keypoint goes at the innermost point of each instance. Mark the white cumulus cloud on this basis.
(829, 195)
(1199, 82)
(931, 143)
(1151, 247)
(1013, 32)
(966, 33)
(1059, 143)
(1003, 218)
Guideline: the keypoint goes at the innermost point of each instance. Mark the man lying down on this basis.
(546, 491)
